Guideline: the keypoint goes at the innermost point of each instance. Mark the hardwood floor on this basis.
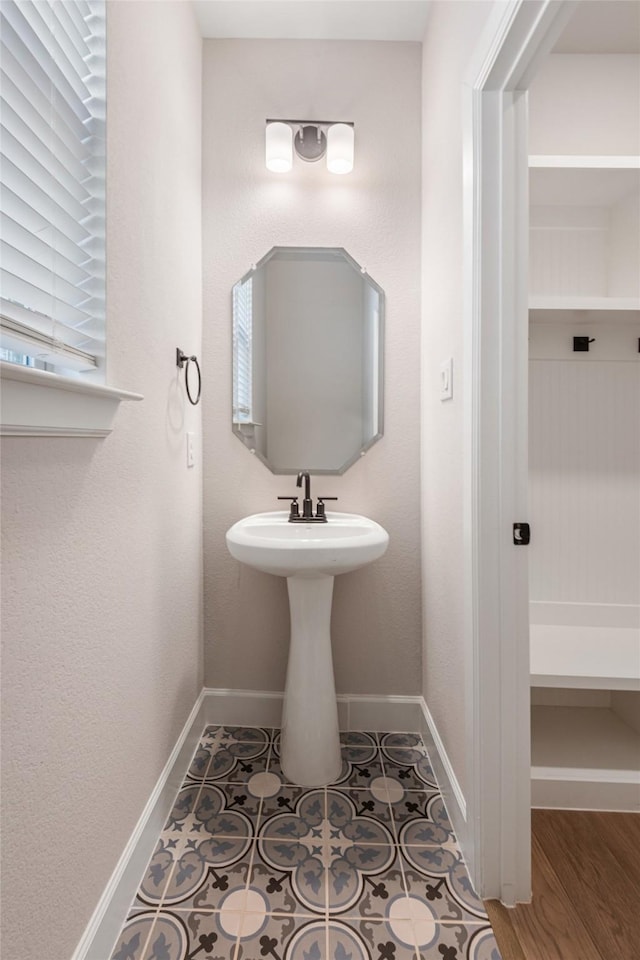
(586, 890)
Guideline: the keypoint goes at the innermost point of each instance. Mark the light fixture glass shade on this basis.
(340, 140)
(279, 147)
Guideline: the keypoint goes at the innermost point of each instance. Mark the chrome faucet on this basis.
(308, 515)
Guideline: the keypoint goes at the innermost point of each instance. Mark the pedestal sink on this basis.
(309, 555)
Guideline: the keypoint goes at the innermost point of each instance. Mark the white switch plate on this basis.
(191, 458)
(446, 380)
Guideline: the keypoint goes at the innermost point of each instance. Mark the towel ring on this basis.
(181, 359)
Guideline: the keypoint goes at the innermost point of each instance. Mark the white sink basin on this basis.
(268, 542)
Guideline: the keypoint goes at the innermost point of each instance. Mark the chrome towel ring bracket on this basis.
(181, 359)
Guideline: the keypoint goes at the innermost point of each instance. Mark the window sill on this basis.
(36, 403)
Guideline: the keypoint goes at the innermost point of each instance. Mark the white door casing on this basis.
(519, 34)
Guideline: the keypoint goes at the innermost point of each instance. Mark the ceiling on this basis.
(313, 19)
(598, 26)
(602, 26)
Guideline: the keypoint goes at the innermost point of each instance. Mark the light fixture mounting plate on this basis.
(310, 143)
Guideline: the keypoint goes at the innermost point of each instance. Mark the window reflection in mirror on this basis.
(307, 360)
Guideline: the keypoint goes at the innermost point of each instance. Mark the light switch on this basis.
(446, 380)
(191, 458)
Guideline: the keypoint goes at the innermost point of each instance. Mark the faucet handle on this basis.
(294, 513)
(320, 512)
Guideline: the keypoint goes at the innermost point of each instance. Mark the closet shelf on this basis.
(595, 658)
(588, 161)
(619, 304)
(583, 758)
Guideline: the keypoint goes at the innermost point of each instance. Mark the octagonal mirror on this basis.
(307, 360)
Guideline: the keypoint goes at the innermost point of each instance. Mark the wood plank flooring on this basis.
(586, 890)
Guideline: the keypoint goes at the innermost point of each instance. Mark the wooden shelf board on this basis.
(595, 658)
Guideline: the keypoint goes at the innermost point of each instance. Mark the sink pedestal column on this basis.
(310, 753)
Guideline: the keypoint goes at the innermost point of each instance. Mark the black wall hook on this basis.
(581, 344)
(181, 359)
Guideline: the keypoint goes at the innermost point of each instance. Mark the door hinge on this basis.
(521, 534)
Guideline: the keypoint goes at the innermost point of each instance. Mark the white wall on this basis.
(585, 103)
(452, 33)
(102, 538)
(374, 213)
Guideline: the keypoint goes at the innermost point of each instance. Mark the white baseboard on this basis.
(236, 707)
(355, 711)
(450, 789)
(246, 708)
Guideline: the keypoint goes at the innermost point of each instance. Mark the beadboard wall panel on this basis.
(584, 481)
(568, 251)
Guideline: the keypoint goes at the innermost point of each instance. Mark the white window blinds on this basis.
(52, 181)
(242, 337)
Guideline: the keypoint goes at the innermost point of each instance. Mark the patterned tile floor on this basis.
(251, 866)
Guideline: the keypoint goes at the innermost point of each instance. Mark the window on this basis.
(52, 175)
(242, 336)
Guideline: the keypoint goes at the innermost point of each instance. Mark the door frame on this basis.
(518, 36)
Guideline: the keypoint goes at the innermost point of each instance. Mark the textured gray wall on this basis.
(375, 214)
(451, 36)
(102, 567)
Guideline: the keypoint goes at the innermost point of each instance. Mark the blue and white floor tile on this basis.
(250, 866)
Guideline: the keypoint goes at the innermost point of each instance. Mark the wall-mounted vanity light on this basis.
(311, 140)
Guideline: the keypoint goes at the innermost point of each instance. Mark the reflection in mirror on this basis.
(307, 360)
